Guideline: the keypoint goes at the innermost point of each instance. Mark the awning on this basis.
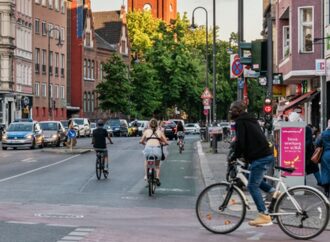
(298, 100)
(72, 108)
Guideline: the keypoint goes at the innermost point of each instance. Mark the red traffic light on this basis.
(268, 108)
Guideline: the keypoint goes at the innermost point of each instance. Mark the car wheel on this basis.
(4, 148)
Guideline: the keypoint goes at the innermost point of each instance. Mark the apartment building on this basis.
(49, 58)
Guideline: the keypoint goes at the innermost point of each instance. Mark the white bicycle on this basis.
(302, 212)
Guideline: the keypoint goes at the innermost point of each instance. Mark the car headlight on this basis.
(4, 136)
(29, 136)
(54, 136)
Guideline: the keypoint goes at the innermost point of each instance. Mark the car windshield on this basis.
(79, 121)
(93, 125)
(65, 123)
(48, 126)
(190, 125)
(114, 122)
(20, 127)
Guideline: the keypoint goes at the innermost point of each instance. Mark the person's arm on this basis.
(109, 138)
(143, 138)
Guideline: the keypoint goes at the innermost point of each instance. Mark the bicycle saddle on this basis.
(286, 169)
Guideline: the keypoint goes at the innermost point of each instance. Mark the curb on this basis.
(66, 151)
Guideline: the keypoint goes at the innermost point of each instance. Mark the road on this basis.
(56, 197)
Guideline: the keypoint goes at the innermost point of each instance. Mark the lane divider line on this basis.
(38, 169)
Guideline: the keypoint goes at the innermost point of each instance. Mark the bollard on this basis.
(215, 143)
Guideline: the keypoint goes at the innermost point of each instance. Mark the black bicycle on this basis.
(100, 164)
(151, 174)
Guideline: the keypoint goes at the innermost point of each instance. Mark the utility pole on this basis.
(214, 64)
(270, 52)
(240, 39)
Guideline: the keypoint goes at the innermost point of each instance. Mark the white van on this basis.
(142, 126)
(81, 126)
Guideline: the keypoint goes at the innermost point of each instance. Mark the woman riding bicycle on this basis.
(180, 131)
(153, 138)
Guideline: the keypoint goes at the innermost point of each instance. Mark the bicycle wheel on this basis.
(98, 168)
(313, 219)
(150, 182)
(105, 172)
(215, 219)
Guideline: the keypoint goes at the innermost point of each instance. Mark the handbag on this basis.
(316, 157)
(163, 155)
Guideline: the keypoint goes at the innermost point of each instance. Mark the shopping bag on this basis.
(316, 157)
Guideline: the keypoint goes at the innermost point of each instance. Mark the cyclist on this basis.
(99, 141)
(252, 145)
(153, 138)
(180, 131)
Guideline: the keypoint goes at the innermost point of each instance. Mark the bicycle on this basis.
(151, 173)
(181, 142)
(99, 165)
(302, 212)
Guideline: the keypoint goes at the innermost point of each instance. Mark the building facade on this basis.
(23, 59)
(49, 58)
(162, 9)
(7, 47)
(297, 24)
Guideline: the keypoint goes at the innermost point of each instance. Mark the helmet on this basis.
(100, 123)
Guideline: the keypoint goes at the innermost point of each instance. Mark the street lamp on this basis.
(207, 41)
(50, 106)
(214, 63)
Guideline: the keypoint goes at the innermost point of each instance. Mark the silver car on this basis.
(54, 132)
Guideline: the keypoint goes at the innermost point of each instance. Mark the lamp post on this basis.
(207, 44)
(50, 106)
(214, 63)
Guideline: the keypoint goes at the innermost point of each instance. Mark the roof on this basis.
(103, 44)
(108, 25)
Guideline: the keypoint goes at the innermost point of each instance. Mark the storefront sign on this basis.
(320, 67)
(293, 149)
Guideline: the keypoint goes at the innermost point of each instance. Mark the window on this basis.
(306, 30)
(62, 65)
(57, 5)
(37, 26)
(88, 102)
(92, 69)
(44, 28)
(62, 34)
(43, 59)
(88, 69)
(85, 102)
(101, 71)
(286, 41)
(37, 1)
(50, 4)
(62, 92)
(51, 90)
(56, 59)
(37, 56)
(36, 89)
(92, 102)
(44, 3)
(85, 68)
(56, 91)
(63, 6)
(88, 39)
(51, 33)
(43, 90)
(51, 62)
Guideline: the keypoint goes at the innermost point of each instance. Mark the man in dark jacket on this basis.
(252, 145)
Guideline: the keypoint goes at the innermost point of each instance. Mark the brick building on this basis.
(162, 9)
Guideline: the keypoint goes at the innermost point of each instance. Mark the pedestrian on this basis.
(324, 141)
(252, 145)
(311, 167)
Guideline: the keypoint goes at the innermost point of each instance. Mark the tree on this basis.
(115, 91)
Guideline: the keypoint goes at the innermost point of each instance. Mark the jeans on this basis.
(258, 169)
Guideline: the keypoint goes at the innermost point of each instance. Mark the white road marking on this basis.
(20, 222)
(172, 190)
(29, 160)
(38, 169)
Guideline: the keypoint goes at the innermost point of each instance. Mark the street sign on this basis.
(320, 67)
(207, 107)
(240, 83)
(206, 112)
(206, 102)
(237, 68)
(71, 134)
(206, 94)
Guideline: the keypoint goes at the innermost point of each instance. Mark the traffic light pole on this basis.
(240, 40)
(270, 55)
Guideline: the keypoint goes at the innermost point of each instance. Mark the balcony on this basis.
(37, 68)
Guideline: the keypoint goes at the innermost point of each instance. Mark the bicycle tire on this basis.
(98, 168)
(209, 215)
(150, 182)
(105, 173)
(312, 203)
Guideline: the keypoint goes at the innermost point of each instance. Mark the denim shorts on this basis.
(153, 151)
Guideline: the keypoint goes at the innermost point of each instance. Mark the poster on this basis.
(293, 149)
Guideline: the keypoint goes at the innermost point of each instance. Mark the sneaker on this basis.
(261, 220)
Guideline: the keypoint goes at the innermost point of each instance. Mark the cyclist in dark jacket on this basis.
(252, 145)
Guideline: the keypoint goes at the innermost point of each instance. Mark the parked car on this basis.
(170, 129)
(54, 132)
(23, 134)
(108, 128)
(93, 127)
(142, 126)
(192, 128)
(81, 126)
(119, 127)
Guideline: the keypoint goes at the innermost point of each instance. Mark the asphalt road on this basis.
(49, 197)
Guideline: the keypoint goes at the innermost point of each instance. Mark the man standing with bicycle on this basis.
(99, 141)
(252, 145)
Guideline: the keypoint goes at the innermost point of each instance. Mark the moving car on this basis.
(23, 134)
(65, 124)
(81, 126)
(170, 130)
(192, 128)
(54, 132)
(119, 127)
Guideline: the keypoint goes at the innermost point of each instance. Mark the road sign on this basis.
(206, 94)
(207, 107)
(206, 112)
(71, 134)
(237, 68)
(206, 102)
(240, 83)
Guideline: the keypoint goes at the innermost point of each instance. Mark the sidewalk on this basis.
(213, 167)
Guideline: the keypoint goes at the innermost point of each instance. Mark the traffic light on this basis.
(245, 59)
(254, 54)
(268, 111)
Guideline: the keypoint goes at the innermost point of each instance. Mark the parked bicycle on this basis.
(100, 164)
(302, 212)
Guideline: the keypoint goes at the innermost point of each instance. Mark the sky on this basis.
(226, 14)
